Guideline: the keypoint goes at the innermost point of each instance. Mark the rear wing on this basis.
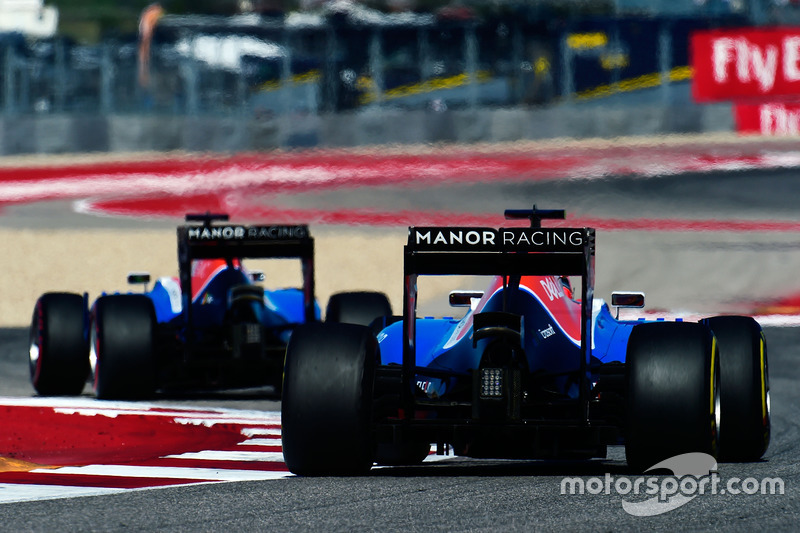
(503, 251)
(509, 252)
(234, 241)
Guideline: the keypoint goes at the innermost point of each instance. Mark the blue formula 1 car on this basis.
(212, 327)
(531, 371)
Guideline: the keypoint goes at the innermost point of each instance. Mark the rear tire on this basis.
(744, 391)
(123, 342)
(59, 345)
(357, 307)
(673, 393)
(326, 409)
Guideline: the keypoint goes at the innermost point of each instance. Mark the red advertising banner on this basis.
(745, 64)
(768, 119)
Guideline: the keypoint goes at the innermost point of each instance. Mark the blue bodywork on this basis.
(216, 340)
(215, 325)
(282, 308)
(446, 344)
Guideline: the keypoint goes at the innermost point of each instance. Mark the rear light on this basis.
(252, 333)
(491, 383)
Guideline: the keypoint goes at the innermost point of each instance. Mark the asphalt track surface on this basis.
(720, 271)
(449, 495)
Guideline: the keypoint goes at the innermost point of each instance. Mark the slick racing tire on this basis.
(357, 307)
(122, 343)
(326, 408)
(59, 344)
(673, 401)
(744, 390)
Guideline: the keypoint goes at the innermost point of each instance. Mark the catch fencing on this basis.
(259, 68)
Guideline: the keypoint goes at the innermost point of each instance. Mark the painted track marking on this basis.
(170, 187)
(151, 446)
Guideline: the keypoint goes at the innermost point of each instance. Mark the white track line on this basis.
(15, 493)
(221, 455)
(165, 472)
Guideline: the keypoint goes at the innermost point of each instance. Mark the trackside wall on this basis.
(69, 133)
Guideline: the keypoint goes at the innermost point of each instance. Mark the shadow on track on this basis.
(464, 467)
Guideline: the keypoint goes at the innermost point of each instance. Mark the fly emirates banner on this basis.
(757, 69)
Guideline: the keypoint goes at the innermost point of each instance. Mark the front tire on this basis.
(59, 345)
(123, 342)
(326, 409)
(744, 392)
(673, 393)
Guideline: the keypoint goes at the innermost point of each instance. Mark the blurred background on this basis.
(226, 75)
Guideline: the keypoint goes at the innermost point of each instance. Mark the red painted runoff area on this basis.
(239, 184)
(67, 447)
(52, 437)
